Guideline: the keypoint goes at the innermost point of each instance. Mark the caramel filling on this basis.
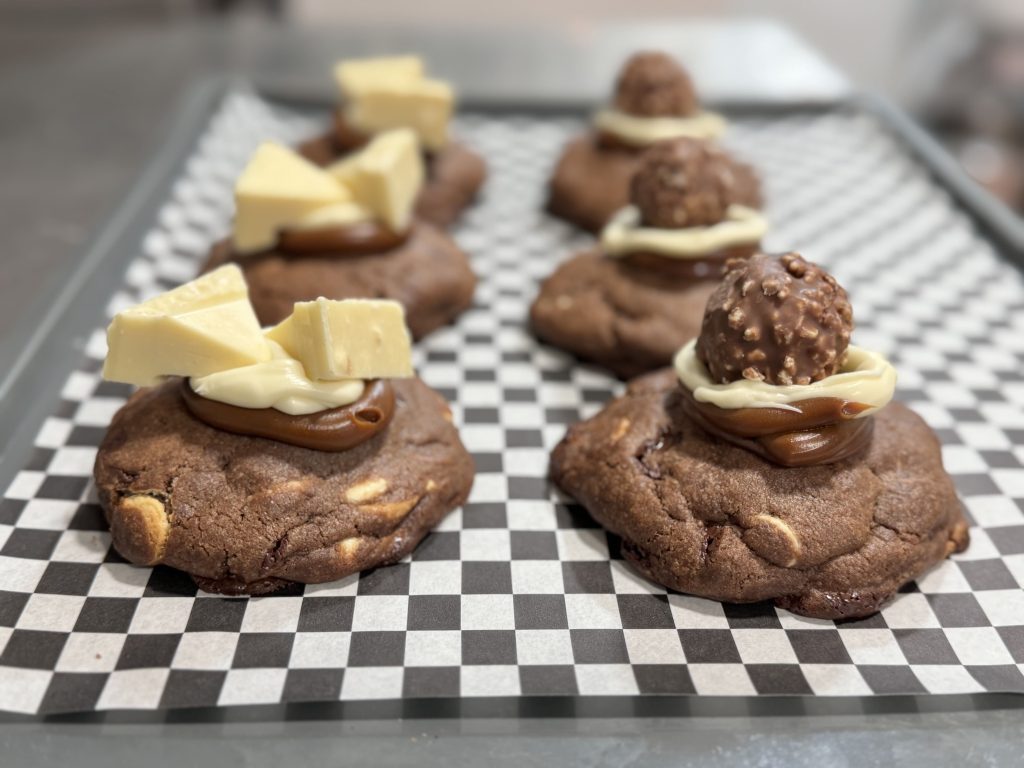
(708, 267)
(357, 239)
(335, 429)
(608, 140)
(819, 430)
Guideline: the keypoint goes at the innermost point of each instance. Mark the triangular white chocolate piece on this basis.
(202, 327)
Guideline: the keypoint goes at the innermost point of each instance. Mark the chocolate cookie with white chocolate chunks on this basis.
(729, 480)
(654, 100)
(346, 232)
(252, 460)
(385, 93)
(631, 302)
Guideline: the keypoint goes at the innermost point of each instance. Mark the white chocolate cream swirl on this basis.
(865, 377)
(623, 234)
(281, 383)
(644, 131)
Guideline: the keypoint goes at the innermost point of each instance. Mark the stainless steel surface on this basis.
(908, 741)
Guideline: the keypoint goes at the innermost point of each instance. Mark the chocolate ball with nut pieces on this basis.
(685, 183)
(777, 319)
(652, 84)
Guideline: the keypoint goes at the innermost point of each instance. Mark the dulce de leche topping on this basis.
(708, 266)
(820, 430)
(356, 239)
(336, 429)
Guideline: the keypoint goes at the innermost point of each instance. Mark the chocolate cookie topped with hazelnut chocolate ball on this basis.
(381, 94)
(654, 100)
(254, 459)
(631, 302)
(345, 232)
(769, 462)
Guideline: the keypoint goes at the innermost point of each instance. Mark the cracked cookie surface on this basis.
(628, 320)
(428, 274)
(705, 517)
(247, 515)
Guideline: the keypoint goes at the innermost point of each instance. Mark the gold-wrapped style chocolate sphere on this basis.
(684, 183)
(777, 319)
(652, 84)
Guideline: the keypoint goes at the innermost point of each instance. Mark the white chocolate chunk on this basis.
(385, 93)
(202, 327)
(355, 75)
(385, 177)
(350, 339)
(424, 106)
(277, 189)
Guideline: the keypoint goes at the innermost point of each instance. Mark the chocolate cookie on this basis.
(626, 316)
(428, 274)
(591, 182)
(247, 515)
(703, 516)
(454, 176)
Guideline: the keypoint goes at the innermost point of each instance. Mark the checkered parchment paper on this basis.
(519, 593)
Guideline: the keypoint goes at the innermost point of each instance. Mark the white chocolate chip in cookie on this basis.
(392, 511)
(773, 539)
(368, 490)
(348, 549)
(621, 428)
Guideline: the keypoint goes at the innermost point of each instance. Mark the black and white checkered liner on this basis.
(519, 593)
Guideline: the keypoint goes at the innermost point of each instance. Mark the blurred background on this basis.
(88, 85)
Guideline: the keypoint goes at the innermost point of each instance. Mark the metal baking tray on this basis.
(38, 358)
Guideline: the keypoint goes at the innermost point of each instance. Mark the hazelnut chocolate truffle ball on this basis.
(652, 84)
(684, 182)
(777, 319)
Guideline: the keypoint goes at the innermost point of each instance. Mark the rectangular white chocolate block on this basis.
(202, 327)
(354, 75)
(425, 106)
(276, 189)
(386, 176)
(350, 339)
